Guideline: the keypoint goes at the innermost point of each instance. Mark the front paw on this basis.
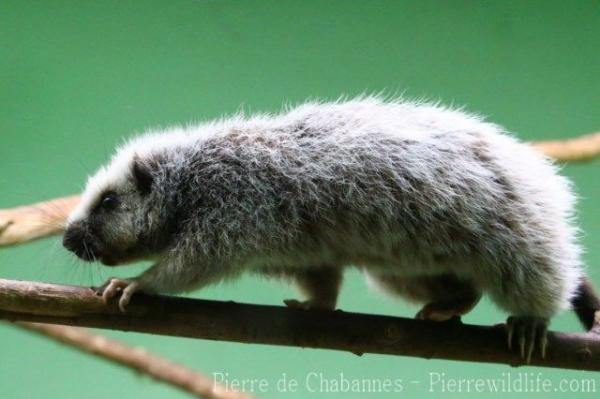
(113, 286)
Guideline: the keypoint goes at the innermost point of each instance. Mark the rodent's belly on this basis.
(385, 262)
(403, 265)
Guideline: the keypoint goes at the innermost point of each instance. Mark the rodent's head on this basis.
(119, 217)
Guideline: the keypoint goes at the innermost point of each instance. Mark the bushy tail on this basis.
(586, 303)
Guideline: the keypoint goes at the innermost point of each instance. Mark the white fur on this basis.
(544, 264)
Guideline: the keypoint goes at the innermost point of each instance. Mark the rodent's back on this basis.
(436, 182)
(431, 187)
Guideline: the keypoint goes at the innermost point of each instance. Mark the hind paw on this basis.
(308, 305)
(528, 332)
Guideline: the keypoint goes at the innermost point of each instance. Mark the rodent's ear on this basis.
(142, 174)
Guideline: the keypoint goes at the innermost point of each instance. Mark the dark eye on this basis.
(109, 201)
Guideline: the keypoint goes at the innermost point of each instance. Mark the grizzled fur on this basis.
(435, 205)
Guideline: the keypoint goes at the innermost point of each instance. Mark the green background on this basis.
(78, 77)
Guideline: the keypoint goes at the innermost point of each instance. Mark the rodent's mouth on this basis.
(85, 253)
(89, 253)
(78, 240)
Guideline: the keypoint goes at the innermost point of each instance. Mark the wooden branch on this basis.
(228, 321)
(30, 222)
(137, 359)
(578, 149)
(27, 223)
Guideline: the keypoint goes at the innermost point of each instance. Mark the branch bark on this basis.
(579, 149)
(30, 222)
(137, 359)
(259, 324)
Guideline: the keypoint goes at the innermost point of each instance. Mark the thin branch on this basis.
(578, 149)
(30, 222)
(27, 223)
(137, 359)
(258, 324)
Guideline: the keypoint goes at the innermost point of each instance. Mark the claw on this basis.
(127, 294)
(527, 330)
(522, 344)
(510, 329)
(530, 343)
(543, 340)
